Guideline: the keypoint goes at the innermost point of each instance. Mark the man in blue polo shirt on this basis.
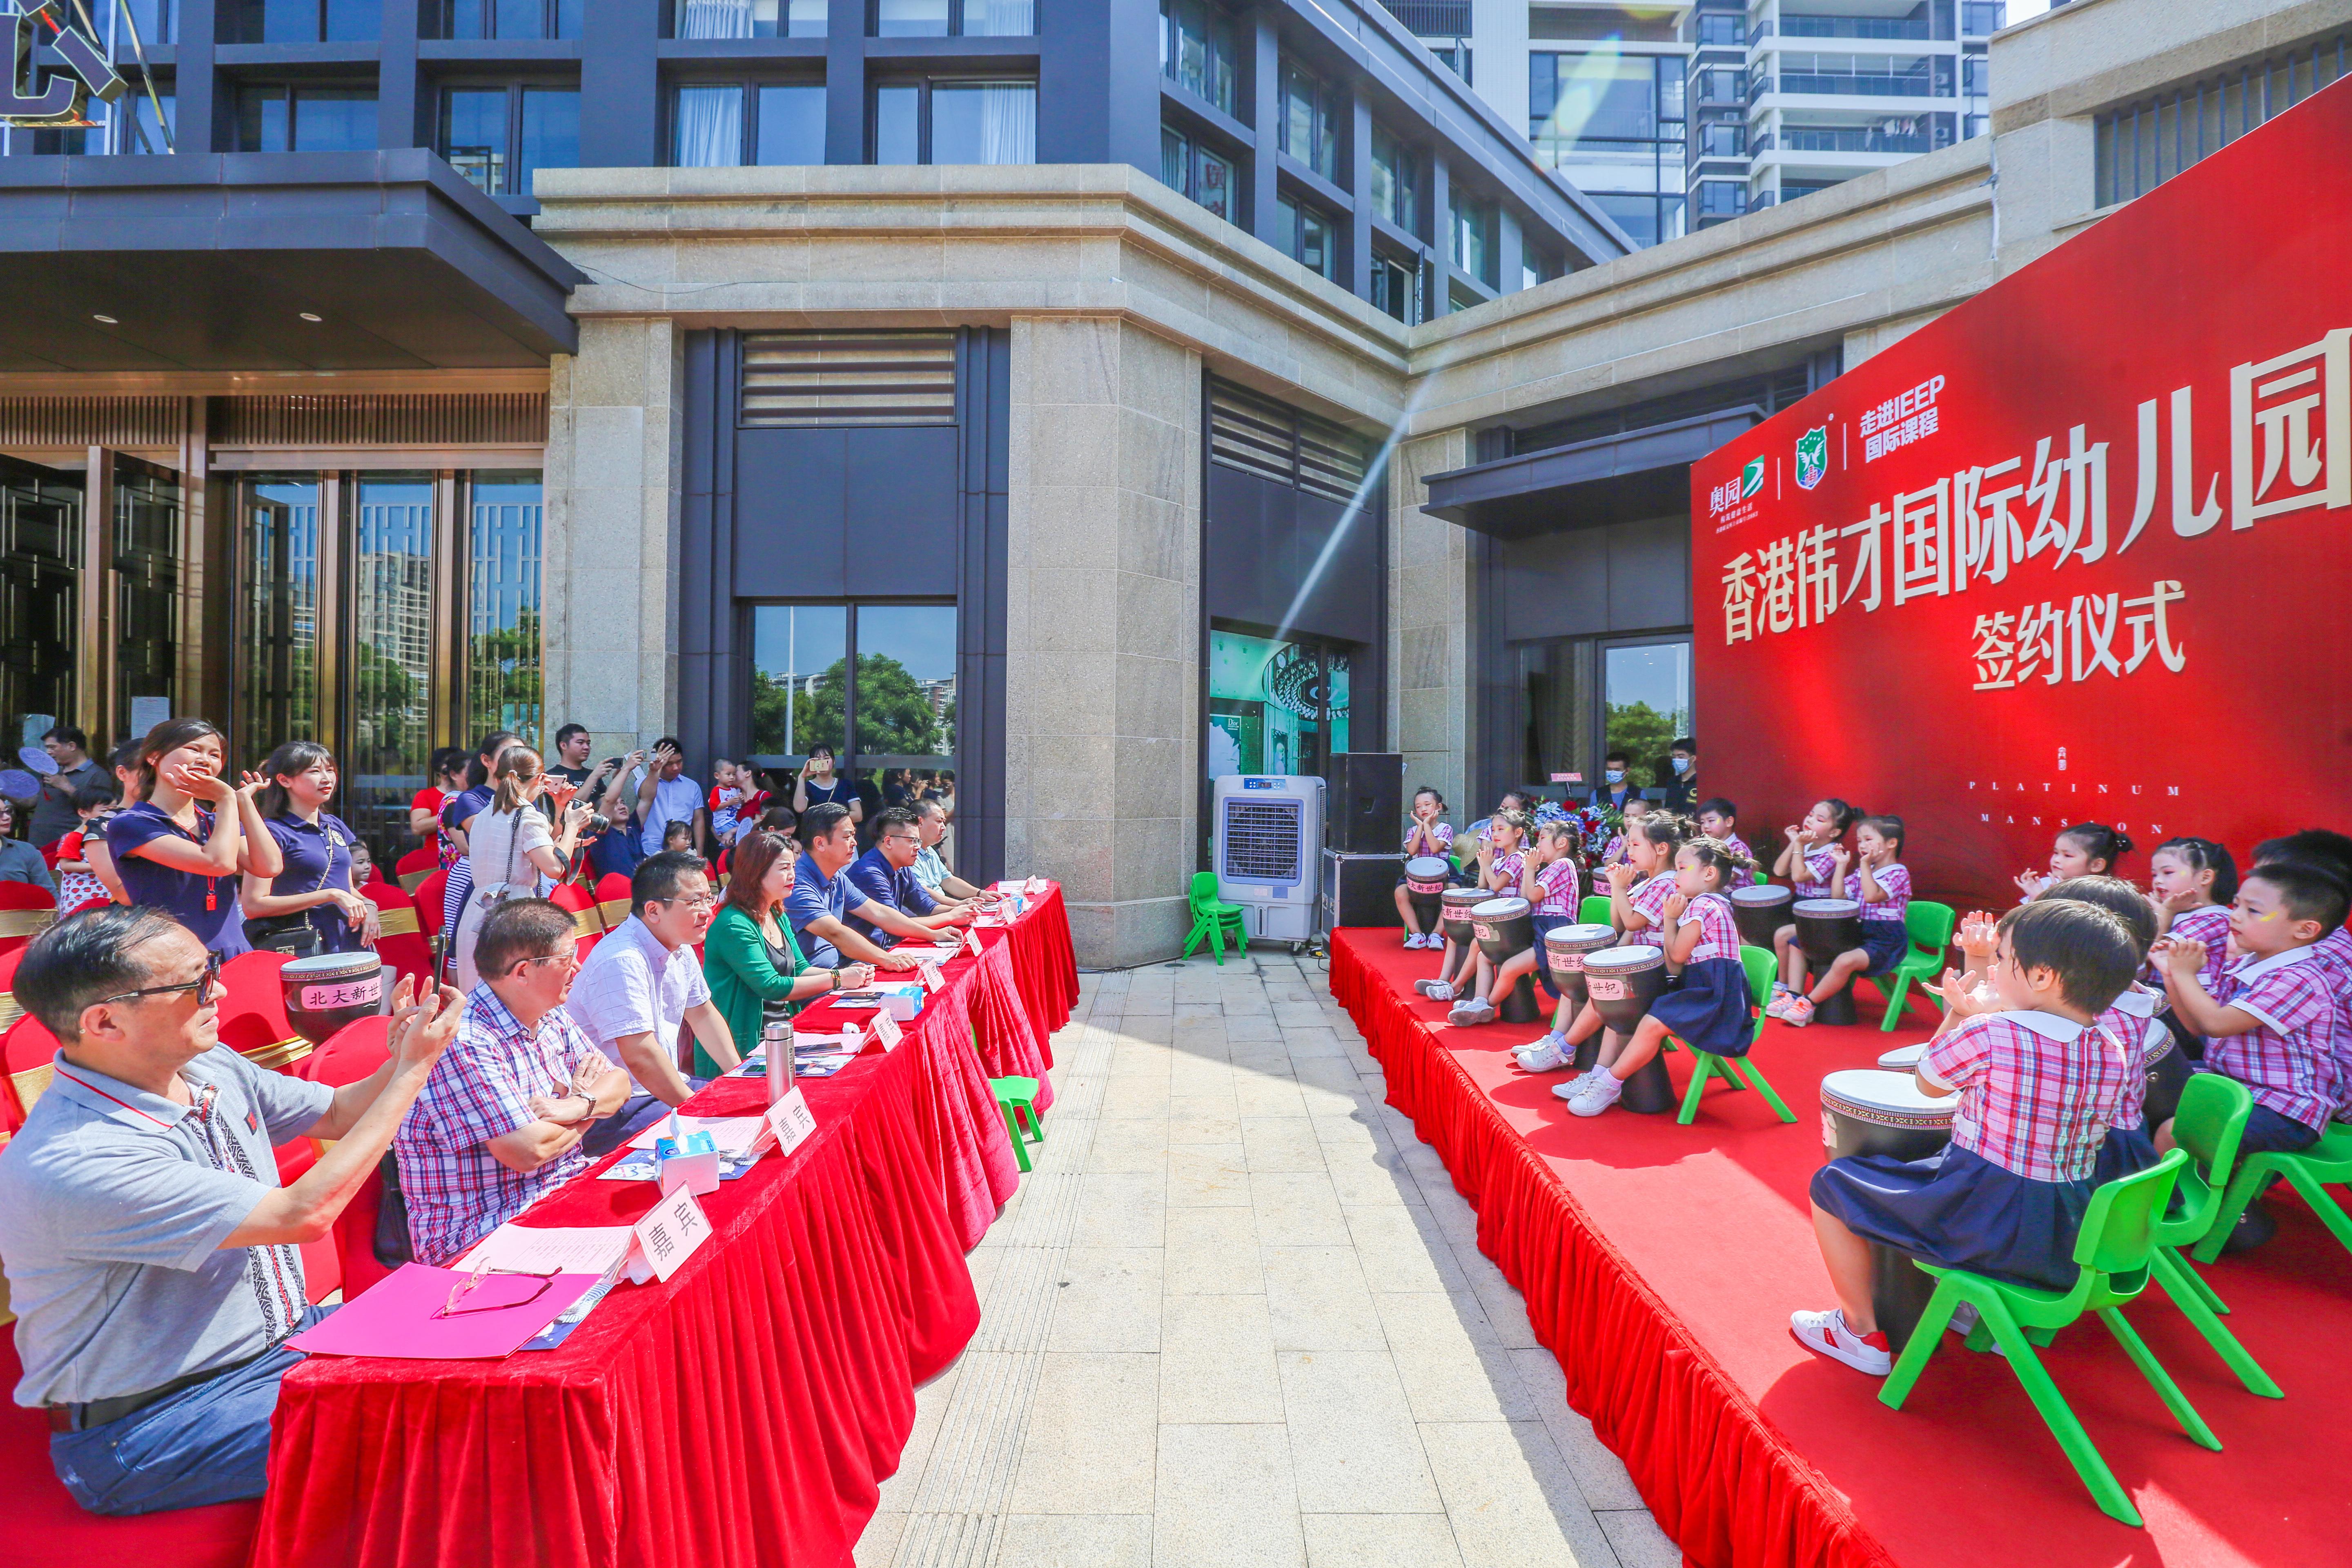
(153, 1260)
(824, 901)
(885, 874)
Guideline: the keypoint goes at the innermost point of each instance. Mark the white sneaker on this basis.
(1577, 1084)
(1597, 1096)
(1421, 940)
(1964, 1318)
(1435, 990)
(1547, 1055)
(1826, 1334)
(1471, 1010)
(1777, 1007)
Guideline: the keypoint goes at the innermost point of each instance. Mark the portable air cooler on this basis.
(1267, 841)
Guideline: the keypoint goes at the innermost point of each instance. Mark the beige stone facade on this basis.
(1120, 297)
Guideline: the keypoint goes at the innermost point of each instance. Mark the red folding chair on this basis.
(587, 923)
(253, 1021)
(413, 867)
(26, 1055)
(613, 900)
(402, 943)
(25, 911)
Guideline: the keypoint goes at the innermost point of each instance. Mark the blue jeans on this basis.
(204, 1444)
(637, 1112)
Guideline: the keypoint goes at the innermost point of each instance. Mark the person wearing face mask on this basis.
(1614, 792)
(1681, 786)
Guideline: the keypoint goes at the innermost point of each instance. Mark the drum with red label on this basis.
(1506, 928)
(329, 990)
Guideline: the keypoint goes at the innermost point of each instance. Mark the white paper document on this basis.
(576, 1249)
(734, 1134)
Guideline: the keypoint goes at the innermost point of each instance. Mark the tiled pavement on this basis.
(1237, 1316)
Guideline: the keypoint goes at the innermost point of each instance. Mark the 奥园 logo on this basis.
(1751, 477)
(1812, 456)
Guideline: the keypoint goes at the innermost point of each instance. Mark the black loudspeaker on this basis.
(1361, 889)
(1364, 809)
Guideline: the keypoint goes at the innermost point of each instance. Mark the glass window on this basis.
(898, 123)
(983, 123)
(1475, 250)
(1307, 132)
(708, 133)
(906, 696)
(1196, 50)
(474, 135)
(1396, 288)
(40, 565)
(1275, 707)
(910, 19)
(1395, 182)
(147, 553)
(999, 18)
(334, 119)
(391, 678)
(550, 132)
(799, 679)
(791, 123)
(136, 128)
(502, 654)
(1192, 170)
(1645, 694)
(278, 631)
(1315, 247)
(747, 18)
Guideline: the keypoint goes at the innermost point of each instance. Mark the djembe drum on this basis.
(1506, 928)
(329, 990)
(1621, 982)
(2168, 1075)
(1902, 1058)
(1867, 1112)
(1424, 888)
(1825, 928)
(1760, 912)
(1565, 949)
(1454, 905)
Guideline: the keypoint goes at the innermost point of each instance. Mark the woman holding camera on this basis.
(511, 845)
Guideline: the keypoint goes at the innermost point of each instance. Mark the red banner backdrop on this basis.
(2075, 550)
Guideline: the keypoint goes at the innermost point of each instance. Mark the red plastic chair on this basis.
(613, 900)
(402, 943)
(351, 1053)
(25, 911)
(253, 1021)
(322, 1263)
(25, 1051)
(587, 922)
(413, 867)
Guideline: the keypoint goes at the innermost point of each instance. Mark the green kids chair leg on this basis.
(1213, 920)
(1739, 1072)
(2206, 1126)
(2187, 1293)
(1016, 1100)
(2311, 1172)
(1928, 925)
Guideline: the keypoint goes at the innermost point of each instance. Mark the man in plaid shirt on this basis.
(500, 1123)
(2273, 1027)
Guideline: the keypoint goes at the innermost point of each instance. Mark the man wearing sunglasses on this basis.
(153, 1260)
(500, 1123)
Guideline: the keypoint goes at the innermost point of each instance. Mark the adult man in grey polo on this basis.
(153, 1259)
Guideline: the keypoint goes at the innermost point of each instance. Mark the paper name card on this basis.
(734, 1134)
(885, 1029)
(792, 1120)
(934, 977)
(672, 1233)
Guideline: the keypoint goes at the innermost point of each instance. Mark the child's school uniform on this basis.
(2007, 1197)
(1882, 934)
(1650, 899)
(2131, 1020)
(1711, 1007)
(1613, 852)
(1740, 877)
(2287, 1061)
(1820, 865)
(1512, 866)
(2335, 951)
(2207, 923)
(1555, 907)
(1443, 831)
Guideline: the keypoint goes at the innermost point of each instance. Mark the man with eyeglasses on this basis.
(886, 876)
(502, 1122)
(153, 1259)
(644, 982)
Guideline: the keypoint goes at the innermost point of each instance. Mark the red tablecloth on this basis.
(1044, 964)
(746, 1410)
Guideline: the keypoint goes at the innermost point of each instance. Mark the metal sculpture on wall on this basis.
(65, 100)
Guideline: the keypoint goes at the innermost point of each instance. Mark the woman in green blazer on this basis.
(748, 957)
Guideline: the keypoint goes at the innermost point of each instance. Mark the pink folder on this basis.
(396, 1318)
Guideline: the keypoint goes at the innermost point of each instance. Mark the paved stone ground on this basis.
(1237, 1316)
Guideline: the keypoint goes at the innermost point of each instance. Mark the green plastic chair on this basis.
(1213, 921)
(2117, 1251)
(1738, 1072)
(1594, 911)
(2326, 1164)
(1929, 927)
(1016, 1100)
(2208, 1125)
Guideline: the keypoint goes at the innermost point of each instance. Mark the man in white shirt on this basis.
(644, 981)
(667, 796)
(930, 870)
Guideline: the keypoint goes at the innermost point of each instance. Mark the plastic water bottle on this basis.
(776, 1043)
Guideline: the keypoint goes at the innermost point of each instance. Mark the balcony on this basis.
(1842, 84)
(1432, 18)
(1840, 139)
(1983, 19)
(1849, 26)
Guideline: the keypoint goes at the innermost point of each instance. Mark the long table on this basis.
(749, 1409)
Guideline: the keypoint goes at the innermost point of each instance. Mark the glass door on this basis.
(1645, 703)
(386, 757)
(150, 545)
(40, 588)
(1275, 707)
(278, 634)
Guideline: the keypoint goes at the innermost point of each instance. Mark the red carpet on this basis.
(1660, 1264)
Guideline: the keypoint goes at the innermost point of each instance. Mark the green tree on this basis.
(1645, 735)
(893, 713)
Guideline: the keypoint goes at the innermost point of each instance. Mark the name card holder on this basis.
(667, 1236)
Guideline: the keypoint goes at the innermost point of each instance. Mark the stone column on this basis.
(608, 573)
(1103, 629)
(1430, 598)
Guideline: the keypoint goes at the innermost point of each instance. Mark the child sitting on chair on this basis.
(1882, 886)
(2131, 1020)
(1709, 1008)
(1638, 912)
(1719, 819)
(2037, 1083)
(1614, 853)
(1517, 860)
(1428, 836)
(1808, 864)
(1501, 864)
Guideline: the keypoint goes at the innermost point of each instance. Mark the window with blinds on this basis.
(808, 380)
(2139, 146)
(1273, 441)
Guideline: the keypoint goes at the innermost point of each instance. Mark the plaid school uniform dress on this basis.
(1650, 899)
(2036, 1095)
(2335, 951)
(2287, 1062)
(1820, 865)
(1883, 933)
(1555, 907)
(2207, 923)
(2131, 1020)
(1711, 1007)
(1440, 833)
(1742, 877)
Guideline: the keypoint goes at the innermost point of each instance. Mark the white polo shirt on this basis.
(631, 985)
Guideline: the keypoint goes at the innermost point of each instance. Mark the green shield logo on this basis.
(1812, 456)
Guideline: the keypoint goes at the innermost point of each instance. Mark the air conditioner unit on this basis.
(1266, 840)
